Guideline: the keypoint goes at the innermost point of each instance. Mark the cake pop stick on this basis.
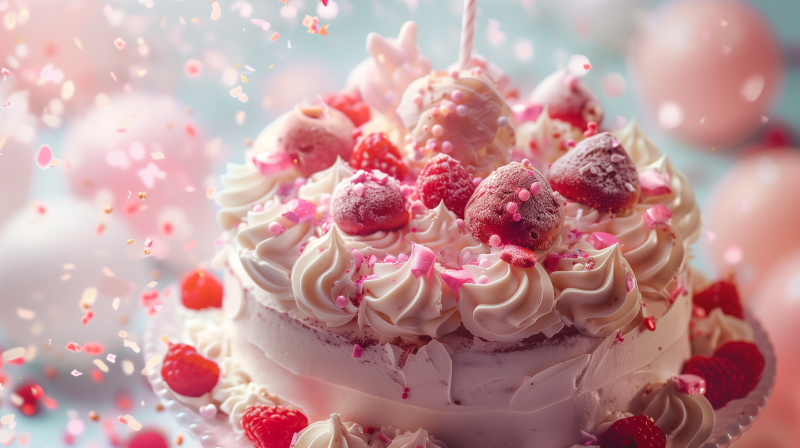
(467, 32)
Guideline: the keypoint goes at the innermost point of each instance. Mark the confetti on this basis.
(157, 155)
(249, 68)
(75, 373)
(67, 90)
(148, 242)
(236, 91)
(119, 43)
(101, 365)
(112, 358)
(152, 362)
(152, 284)
(193, 68)
(78, 44)
(275, 36)
(12, 354)
(129, 242)
(165, 339)
(122, 334)
(74, 348)
(216, 11)
(7, 419)
(211, 191)
(113, 76)
(115, 303)
(244, 79)
(43, 157)
(163, 22)
(88, 298)
(108, 209)
(107, 272)
(25, 314)
(132, 345)
(243, 98)
(93, 416)
(262, 23)
(131, 422)
(127, 367)
(87, 317)
(189, 245)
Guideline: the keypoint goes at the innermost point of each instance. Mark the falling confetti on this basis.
(216, 11)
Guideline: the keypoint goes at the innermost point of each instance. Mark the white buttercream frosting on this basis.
(399, 304)
(244, 186)
(418, 439)
(208, 338)
(439, 230)
(324, 272)
(235, 392)
(323, 182)
(592, 292)
(384, 242)
(546, 138)
(687, 420)
(331, 433)
(713, 331)
(637, 144)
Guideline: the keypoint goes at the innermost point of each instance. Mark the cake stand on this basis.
(731, 421)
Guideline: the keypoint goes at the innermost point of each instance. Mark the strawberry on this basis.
(349, 104)
(148, 439)
(599, 173)
(368, 202)
(377, 152)
(723, 379)
(272, 426)
(188, 372)
(201, 290)
(443, 178)
(518, 256)
(637, 431)
(721, 294)
(29, 397)
(748, 359)
(567, 98)
(515, 205)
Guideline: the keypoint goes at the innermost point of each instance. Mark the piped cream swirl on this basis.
(718, 328)
(235, 392)
(638, 145)
(545, 139)
(323, 182)
(592, 292)
(331, 433)
(244, 186)
(687, 420)
(418, 439)
(384, 242)
(438, 229)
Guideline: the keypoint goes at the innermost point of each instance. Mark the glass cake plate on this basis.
(731, 421)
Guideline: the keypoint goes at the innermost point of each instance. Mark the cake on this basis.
(451, 267)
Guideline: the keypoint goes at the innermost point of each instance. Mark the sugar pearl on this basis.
(425, 128)
(524, 195)
(437, 130)
(275, 228)
(341, 302)
(460, 224)
(502, 122)
(447, 147)
(417, 99)
(485, 263)
(517, 217)
(512, 207)
(476, 181)
(462, 110)
(495, 241)
(258, 208)
(457, 95)
(482, 280)
(536, 188)
(526, 162)
(454, 74)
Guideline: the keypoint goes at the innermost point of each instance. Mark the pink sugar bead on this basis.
(526, 162)
(454, 74)
(477, 181)
(657, 215)
(482, 280)
(516, 217)
(602, 240)
(418, 208)
(571, 143)
(341, 302)
(275, 228)
(654, 183)
(536, 188)
(462, 110)
(359, 189)
(524, 195)
(495, 241)
(689, 384)
(447, 147)
(629, 281)
(457, 95)
(437, 130)
(512, 207)
(460, 224)
(357, 351)
(257, 208)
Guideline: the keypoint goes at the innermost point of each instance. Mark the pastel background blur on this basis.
(715, 83)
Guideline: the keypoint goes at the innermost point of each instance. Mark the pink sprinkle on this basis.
(516, 217)
(628, 281)
(294, 440)
(437, 130)
(620, 338)
(119, 43)
(462, 110)
(148, 242)
(602, 240)
(418, 208)
(112, 358)
(460, 224)
(357, 351)
(455, 278)
(275, 37)
(617, 158)
(257, 208)
(276, 228)
(113, 76)
(341, 302)
(476, 181)
(526, 162)
(571, 143)
(678, 290)
(495, 241)
(73, 347)
(536, 188)
(44, 156)
(402, 258)
(6, 72)
(482, 280)
(422, 260)
(524, 195)
(503, 122)
(457, 95)
(299, 210)
(447, 147)
(358, 257)
(382, 437)
(689, 384)
(512, 207)
(87, 317)
(359, 189)
(657, 215)
(46, 73)
(372, 260)
(654, 183)
(390, 259)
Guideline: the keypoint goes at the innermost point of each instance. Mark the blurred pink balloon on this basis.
(707, 69)
(752, 216)
(141, 143)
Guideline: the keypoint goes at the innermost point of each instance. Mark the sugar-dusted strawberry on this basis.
(748, 359)
(637, 431)
(201, 290)
(515, 205)
(723, 379)
(443, 178)
(272, 426)
(569, 99)
(188, 372)
(350, 104)
(599, 173)
(722, 294)
(368, 202)
(518, 256)
(312, 137)
(376, 152)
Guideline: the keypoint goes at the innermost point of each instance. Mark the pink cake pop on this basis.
(314, 136)
(567, 98)
(368, 202)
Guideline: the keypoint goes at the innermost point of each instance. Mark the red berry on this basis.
(540, 217)
(748, 359)
(201, 290)
(633, 432)
(349, 104)
(148, 439)
(723, 379)
(569, 99)
(721, 294)
(272, 426)
(29, 398)
(443, 178)
(368, 202)
(314, 136)
(518, 256)
(599, 173)
(376, 152)
(188, 372)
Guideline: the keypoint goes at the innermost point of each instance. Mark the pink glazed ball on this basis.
(752, 217)
(707, 69)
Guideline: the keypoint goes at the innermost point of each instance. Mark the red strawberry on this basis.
(723, 379)
(721, 294)
(376, 152)
(188, 372)
(515, 205)
(444, 179)
(637, 431)
(599, 173)
(201, 290)
(349, 104)
(748, 359)
(518, 256)
(272, 426)
(368, 202)
(29, 397)
(569, 99)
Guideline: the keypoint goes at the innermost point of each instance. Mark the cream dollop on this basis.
(592, 292)
(324, 272)
(331, 433)
(686, 217)
(545, 139)
(209, 339)
(243, 186)
(687, 420)
(235, 391)
(323, 182)
(399, 304)
(384, 242)
(637, 144)
(713, 331)
(439, 229)
(513, 304)
(418, 439)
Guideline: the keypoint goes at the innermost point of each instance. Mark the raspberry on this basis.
(518, 256)
(349, 104)
(377, 152)
(497, 210)
(272, 426)
(368, 202)
(721, 294)
(723, 379)
(201, 290)
(443, 178)
(599, 173)
(633, 432)
(748, 359)
(188, 372)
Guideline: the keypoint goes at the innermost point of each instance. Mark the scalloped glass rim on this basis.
(731, 421)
